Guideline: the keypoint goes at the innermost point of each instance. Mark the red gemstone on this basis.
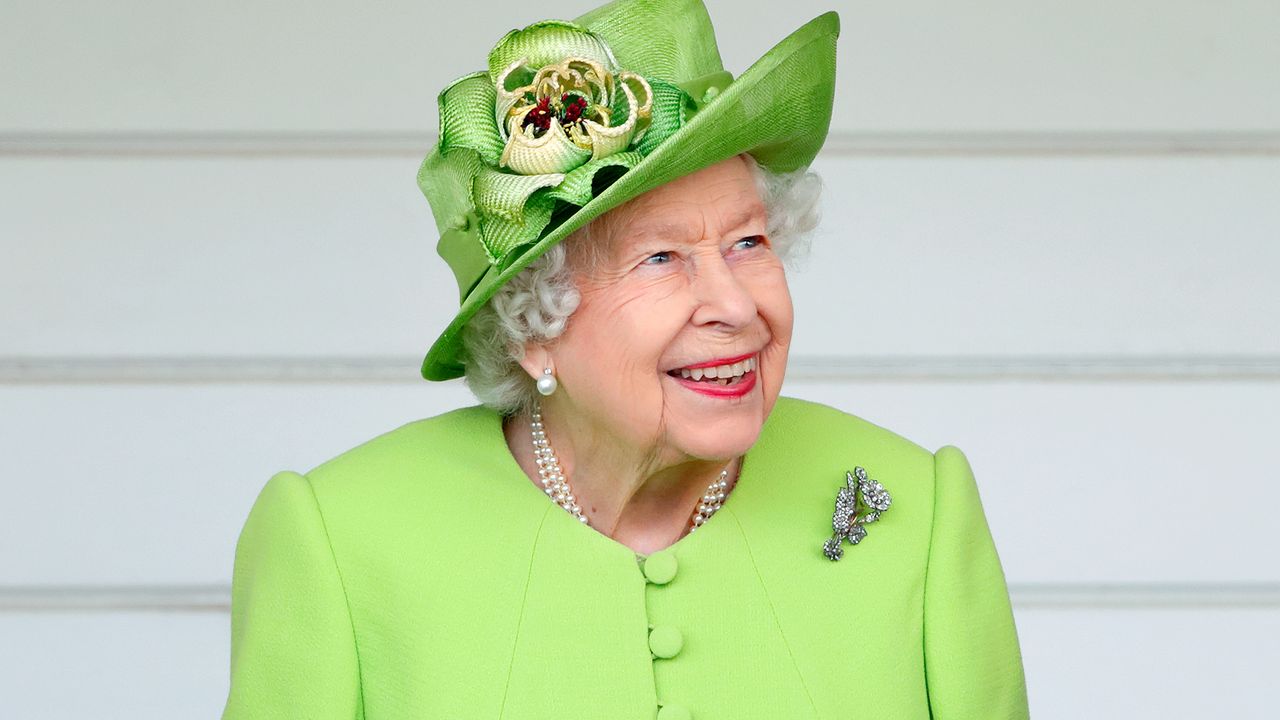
(539, 117)
(573, 112)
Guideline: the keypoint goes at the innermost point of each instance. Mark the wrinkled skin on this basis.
(688, 275)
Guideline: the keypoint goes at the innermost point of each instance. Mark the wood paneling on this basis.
(1082, 482)
(918, 256)
(140, 66)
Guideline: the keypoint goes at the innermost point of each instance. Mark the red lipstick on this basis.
(736, 390)
(740, 386)
(719, 361)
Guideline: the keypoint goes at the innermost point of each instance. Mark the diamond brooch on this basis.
(859, 495)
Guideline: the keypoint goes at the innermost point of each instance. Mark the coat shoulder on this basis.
(441, 444)
(831, 441)
(809, 421)
(417, 485)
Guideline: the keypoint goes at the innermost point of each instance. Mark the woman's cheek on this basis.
(778, 314)
(773, 301)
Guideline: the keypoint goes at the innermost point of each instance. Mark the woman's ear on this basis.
(536, 359)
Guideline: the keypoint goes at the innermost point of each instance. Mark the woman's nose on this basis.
(722, 298)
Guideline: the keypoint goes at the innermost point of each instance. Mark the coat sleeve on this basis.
(293, 650)
(973, 662)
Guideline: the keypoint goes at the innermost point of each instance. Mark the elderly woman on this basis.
(633, 523)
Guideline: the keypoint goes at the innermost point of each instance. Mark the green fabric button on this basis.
(665, 641)
(673, 712)
(660, 567)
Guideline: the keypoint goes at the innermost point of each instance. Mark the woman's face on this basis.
(688, 282)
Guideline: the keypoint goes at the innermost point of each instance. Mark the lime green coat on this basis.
(423, 575)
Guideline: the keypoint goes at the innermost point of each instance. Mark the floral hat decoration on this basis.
(573, 118)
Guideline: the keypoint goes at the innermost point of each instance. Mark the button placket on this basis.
(665, 640)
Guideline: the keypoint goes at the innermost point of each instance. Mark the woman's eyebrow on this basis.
(755, 212)
(682, 232)
(663, 231)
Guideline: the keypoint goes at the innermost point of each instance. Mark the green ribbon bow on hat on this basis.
(552, 111)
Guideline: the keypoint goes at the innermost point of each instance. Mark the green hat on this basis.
(572, 119)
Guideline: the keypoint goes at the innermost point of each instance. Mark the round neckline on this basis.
(511, 468)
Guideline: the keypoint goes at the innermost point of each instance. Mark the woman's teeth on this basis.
(723, 373)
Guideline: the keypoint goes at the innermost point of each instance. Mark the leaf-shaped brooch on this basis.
(859, 502)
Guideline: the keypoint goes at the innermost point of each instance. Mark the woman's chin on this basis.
(713, 423)
(708, 445)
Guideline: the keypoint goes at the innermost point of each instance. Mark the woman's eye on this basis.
(750, 242)
(660, 258)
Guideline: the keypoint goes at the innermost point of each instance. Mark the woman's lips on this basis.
(737, 387)
(720, 361)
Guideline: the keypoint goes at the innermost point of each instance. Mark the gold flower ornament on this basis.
(553, 120)
(570, 113)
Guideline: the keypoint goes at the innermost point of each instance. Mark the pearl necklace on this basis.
(557, 488)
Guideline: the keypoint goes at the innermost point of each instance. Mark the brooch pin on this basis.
(846, 522)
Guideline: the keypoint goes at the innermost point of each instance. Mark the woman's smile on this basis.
(723, 378)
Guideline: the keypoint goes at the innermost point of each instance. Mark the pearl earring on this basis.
(547, 383)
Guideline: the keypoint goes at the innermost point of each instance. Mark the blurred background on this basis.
(1051, 238)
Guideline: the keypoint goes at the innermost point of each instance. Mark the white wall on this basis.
(1063, 221)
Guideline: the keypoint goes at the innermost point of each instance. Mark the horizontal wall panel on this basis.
(142, 666)
(1082, 482)
(335, 257)
(219, 257)
(1040, 257)
(144, 66)
(1077, 663)
(1122, 664)
(137, 485)
(1103, 482)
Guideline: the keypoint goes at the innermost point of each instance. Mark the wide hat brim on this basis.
(778, 110)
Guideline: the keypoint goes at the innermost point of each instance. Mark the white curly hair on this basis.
(535, 305)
